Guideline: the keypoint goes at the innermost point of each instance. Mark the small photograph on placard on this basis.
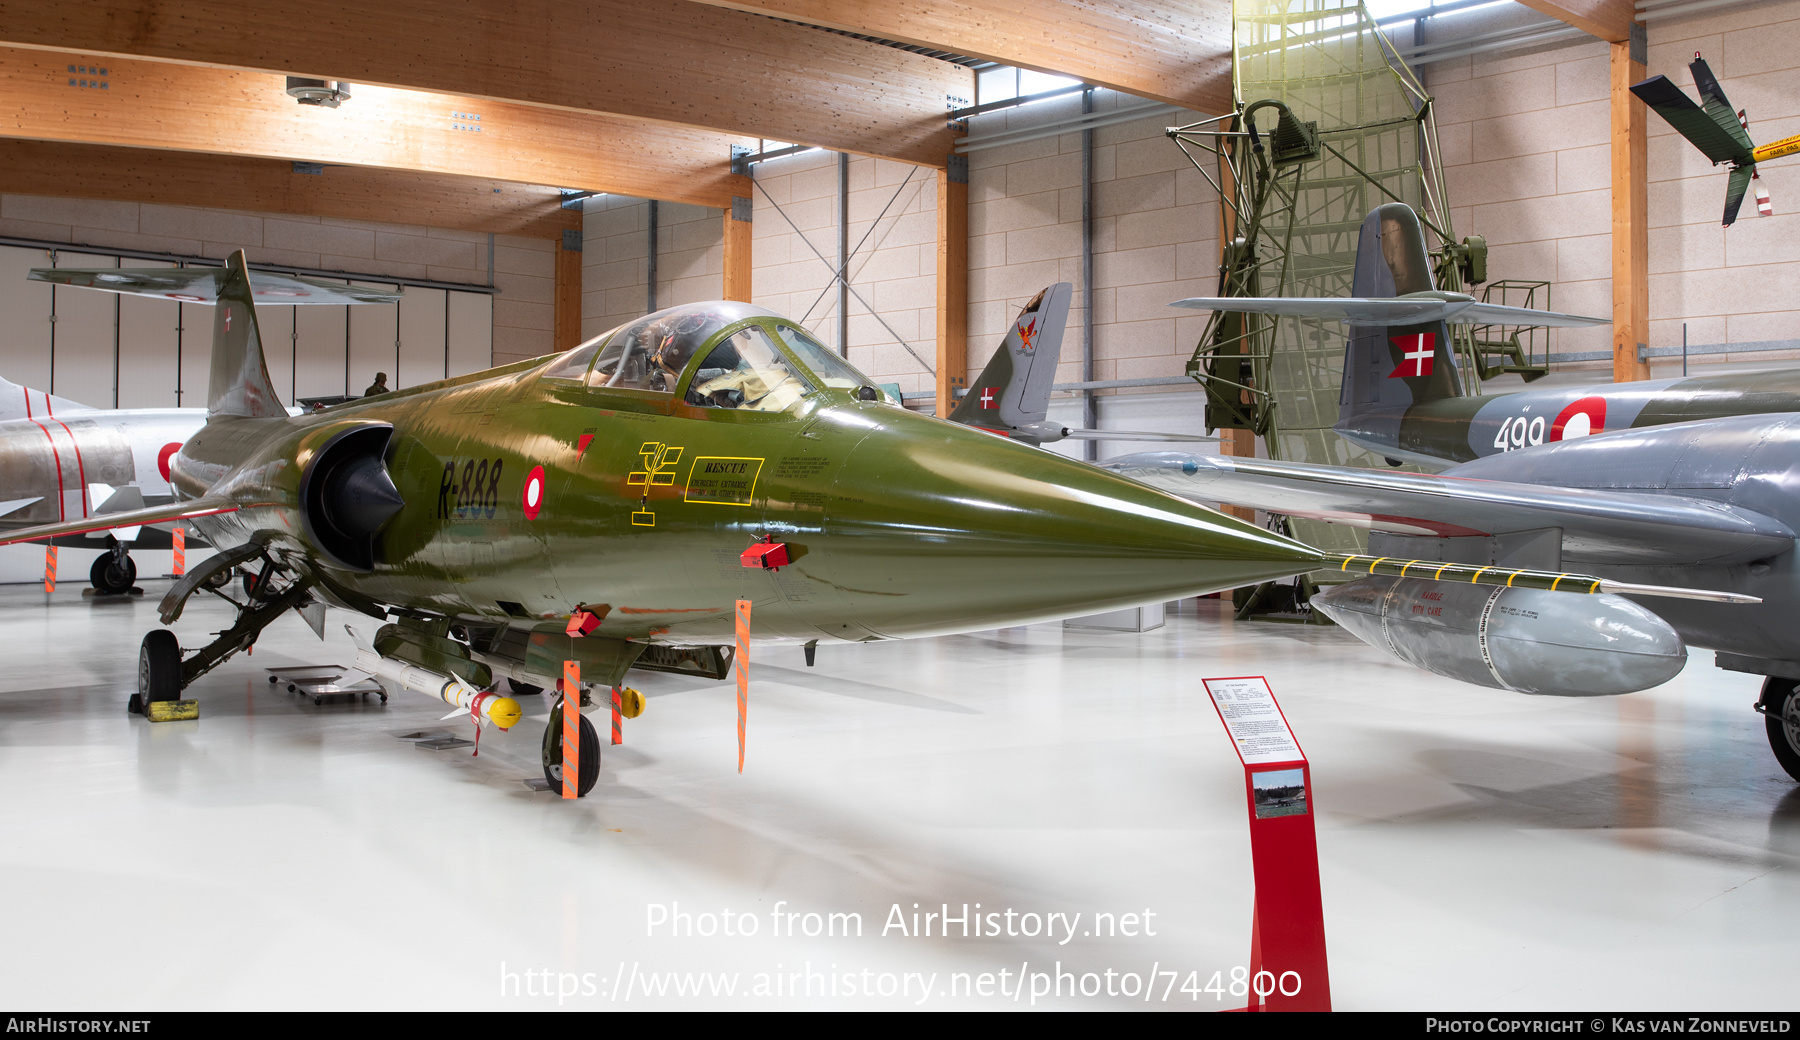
(1279, 792)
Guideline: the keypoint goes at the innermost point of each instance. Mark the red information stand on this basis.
(1287, 928)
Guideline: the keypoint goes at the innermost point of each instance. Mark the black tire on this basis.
(159, 667)
(1781, 714)
(523, 689)
(552, 754)
(111, 574)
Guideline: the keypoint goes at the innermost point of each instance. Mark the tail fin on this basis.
(240, 377)
(1389, 368)
(22, 402)
(1014, 389)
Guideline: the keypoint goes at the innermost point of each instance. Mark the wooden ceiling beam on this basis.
(189, 108)
(1610, 20)
(674, 63)
(86, 171)
(1175, 51)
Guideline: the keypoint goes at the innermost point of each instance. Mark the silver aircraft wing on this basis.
(1608, 527)
(204, 506)
(201, 285)
(1454, 308)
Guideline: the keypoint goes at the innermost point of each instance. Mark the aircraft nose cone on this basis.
(945, 528)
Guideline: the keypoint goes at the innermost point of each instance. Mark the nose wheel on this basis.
(1780, 708)
(159, 670)
(553, 754)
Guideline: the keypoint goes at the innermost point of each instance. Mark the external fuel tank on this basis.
(1523, 640)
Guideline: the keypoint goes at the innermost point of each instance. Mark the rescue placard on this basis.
(721, 481)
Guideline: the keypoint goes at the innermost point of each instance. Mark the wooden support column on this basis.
(1630, 213)
(568, 291)
(737, 250)
(952, 282)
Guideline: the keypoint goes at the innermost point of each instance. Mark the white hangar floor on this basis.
(1480, 850)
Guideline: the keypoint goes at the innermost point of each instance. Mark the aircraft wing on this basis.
(1610, 527)
(1393, 310)
(205, 506)
(201, 285)
(1131, 435)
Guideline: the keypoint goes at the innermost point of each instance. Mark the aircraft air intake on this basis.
(347, 495)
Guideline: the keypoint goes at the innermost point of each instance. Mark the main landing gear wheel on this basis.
(1781, 714)
(553, 754)
(159, 670)
(112, 574)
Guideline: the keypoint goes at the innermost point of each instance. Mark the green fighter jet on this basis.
(610, 505)
(1401, 397)
(637, 486)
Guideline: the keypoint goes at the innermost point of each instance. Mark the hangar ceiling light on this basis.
(325, 93)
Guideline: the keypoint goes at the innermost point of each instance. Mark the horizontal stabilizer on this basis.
(1413, 309)
(1598, 526)
(201, 285)
(206, 506)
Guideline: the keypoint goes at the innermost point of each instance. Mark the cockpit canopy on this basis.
(734, 350)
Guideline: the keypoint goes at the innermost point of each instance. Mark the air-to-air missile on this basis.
(610, 505)
(1721, 134)
(1609, 479)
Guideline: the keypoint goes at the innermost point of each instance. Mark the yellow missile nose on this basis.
(504, 712)
(631, 703)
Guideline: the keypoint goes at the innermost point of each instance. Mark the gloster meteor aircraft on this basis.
(1401, 398)
(1708, 503)
(610, 505)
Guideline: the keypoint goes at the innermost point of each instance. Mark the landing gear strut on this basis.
(114, 571)
(1780, 708)
(163, 673)
(553, 753)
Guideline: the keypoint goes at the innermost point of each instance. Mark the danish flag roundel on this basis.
(1579, 419)
(162, 457)
(533, 495)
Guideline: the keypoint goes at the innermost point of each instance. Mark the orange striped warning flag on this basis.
(742, 658)
(49, 568)
(571, 735)
(618, 718)
(180, 536)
